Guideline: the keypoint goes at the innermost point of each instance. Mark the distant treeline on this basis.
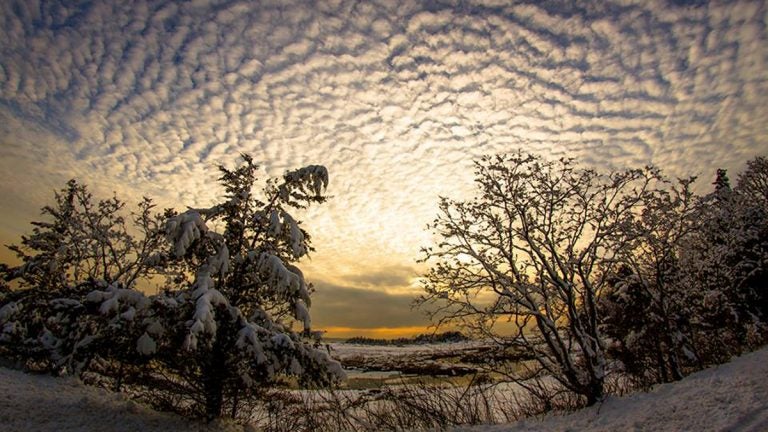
(446, 337)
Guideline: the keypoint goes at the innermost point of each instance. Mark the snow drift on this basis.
(729, 397)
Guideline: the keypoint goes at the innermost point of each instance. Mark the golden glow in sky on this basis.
(395, 98)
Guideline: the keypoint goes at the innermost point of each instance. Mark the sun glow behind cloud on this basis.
(395, 98)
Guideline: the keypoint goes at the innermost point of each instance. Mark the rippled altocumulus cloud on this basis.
(395, 98)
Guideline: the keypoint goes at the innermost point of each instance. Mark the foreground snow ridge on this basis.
(730, 397)
(40, 403)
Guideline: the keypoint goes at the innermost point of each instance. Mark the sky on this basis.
(395, 98)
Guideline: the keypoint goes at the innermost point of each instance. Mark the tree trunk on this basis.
(214, 397)
(119, 381)
(661, 363)
(213, 381)
(677, 375)
(594, 391)
(235, 402)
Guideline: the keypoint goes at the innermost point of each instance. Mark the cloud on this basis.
(396, 276)
(396, 99)
(339, 306)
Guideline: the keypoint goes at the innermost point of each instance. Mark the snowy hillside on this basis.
(37, 403)
(731, 397)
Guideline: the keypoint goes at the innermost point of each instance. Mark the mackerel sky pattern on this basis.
(395, 98)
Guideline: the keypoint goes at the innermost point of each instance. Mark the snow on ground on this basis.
(730, 397)
(39, 403)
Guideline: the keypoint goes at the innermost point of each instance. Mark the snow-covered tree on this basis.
(231, 320)
(691, 287)
(644, 312)
(525, 260)
(84, 244)
(230, 332)
(86, 240)
(753, 182)
(752, 187)
(725, 270)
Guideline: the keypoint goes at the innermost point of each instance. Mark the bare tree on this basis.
(524, 261)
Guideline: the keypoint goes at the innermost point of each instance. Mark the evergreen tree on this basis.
(722, 183)
(234, 321)
(231, 321)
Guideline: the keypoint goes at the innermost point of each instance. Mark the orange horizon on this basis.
(375, 332)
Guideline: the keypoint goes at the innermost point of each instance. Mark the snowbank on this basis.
(32, 403)
(729, 397)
